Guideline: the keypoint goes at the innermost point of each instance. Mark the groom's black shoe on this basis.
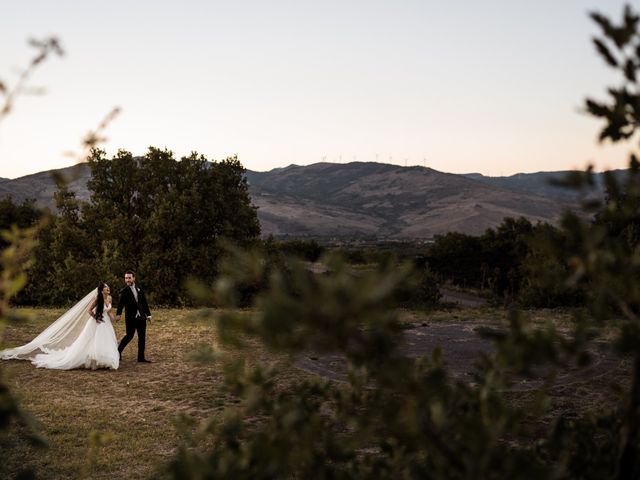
(144, 360)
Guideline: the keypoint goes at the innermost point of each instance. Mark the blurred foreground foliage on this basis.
(401, 417)
(19, 226)
(15, 258)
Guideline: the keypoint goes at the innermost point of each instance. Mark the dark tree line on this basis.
(161, 217)
(525, 263)
(506, 261)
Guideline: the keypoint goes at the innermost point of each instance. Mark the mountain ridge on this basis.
(542, 183)
(387, 201)
(363, 199)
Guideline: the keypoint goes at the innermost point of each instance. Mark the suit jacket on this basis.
(131, 307)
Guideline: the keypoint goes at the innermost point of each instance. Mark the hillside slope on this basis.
(359, 199)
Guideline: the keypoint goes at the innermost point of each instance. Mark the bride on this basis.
(83, 337)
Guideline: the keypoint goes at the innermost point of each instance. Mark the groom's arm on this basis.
(144, 304)
(120, 304)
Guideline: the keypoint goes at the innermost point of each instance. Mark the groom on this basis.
(136, 314)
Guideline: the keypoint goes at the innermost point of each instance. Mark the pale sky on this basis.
(460, 86)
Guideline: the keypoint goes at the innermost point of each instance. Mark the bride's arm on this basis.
(110, 311)
(92, 306)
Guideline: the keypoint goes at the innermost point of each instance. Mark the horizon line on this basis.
(424, 166)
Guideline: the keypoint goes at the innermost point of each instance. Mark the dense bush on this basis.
(309, 250)
(365, 255)
(544, 271)
(427, 290)
(22, 215)
(492, 261)
(161, 217)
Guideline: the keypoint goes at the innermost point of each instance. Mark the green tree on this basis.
(116, 211)
(504, 249)
(544, 271)
(456, 257)
(164, 217)
(71, 252)
(493, 260)
(606, 254)
(23, 215)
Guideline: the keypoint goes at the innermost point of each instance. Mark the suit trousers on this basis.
(133, 325)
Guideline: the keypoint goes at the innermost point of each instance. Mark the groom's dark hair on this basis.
(130, 272)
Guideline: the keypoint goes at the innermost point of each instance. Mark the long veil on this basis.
(60, 334)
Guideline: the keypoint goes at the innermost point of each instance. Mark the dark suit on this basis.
(136, 314)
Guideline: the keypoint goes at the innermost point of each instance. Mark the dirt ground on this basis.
(461, 346)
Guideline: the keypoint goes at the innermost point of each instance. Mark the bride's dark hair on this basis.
(100, 302)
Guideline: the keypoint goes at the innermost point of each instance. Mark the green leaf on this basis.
(603, 22)
(597, 109)
(630, 69)
(605, 53)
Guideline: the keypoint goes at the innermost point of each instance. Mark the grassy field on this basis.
(134, 408)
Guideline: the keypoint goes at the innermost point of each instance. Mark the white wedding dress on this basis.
(75, 340)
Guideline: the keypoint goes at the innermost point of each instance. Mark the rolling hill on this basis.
(385, 201)
(359, 199)
(41, 186)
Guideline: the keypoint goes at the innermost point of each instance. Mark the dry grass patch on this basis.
(134, 408)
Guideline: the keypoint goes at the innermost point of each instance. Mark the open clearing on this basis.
(136, 406)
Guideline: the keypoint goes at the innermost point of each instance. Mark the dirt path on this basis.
(462, 299)
(462, 347)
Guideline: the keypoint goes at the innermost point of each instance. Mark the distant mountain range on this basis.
(382, 200)
(41, 186)
(540, 183)
(365, 199)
